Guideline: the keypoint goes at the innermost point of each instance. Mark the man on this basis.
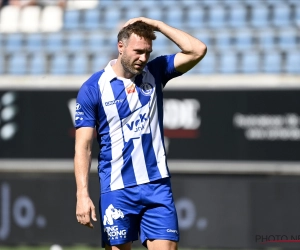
(124, 103)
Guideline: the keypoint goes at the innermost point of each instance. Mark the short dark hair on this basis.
(139, 28)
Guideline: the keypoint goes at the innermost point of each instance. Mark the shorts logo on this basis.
(112, 214)
(78, 106)
(146, 88)
(172, 231)
(113, 232)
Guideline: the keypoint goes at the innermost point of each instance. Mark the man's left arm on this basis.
(192, 49)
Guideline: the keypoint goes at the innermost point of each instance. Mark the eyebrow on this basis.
(141, 50)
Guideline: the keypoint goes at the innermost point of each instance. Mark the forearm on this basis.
(82, 164)
(187, 43)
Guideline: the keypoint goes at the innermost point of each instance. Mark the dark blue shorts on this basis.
(146, 210)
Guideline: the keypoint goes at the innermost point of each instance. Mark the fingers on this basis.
(84, 219)
(85, 210)
(94, 217)
(133, 20)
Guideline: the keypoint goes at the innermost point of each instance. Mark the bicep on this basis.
(84, 139)
(185, 62)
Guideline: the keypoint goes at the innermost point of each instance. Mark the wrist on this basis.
(158, 25)
(82, 194)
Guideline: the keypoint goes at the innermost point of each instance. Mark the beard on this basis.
(128, 67)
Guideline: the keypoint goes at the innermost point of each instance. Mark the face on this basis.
(135, 54)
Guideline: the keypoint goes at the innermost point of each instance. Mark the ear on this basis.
(120, 47)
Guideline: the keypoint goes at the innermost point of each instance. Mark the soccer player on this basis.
(124, 102)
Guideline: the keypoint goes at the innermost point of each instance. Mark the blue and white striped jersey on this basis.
(128, 116)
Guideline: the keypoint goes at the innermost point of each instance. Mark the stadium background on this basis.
(231, 123)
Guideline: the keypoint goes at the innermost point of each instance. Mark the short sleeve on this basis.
(164, 66)
(87, 104)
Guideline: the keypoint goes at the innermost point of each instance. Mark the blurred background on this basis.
(232, 123)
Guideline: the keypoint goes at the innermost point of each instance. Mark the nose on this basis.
(143, 57)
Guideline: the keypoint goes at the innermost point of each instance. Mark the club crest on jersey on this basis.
(146, 88)
(130, 89)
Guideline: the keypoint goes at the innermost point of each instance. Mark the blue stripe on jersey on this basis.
(127, 171)
(160, 114)
(151, 163)
(104, 140)
(103, 134)
(119, 91)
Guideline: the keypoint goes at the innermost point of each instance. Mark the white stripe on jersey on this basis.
(132, 98)
(138, 162)
(116, 181)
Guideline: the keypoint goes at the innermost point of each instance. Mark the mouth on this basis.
(140, 66)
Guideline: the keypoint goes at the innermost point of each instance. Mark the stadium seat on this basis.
(244, 39)
(30, 19)
(174, 16)
(37, 64)
(132, 11)
(79, 5)
(75, 41)
(54, 42)
(2, 64)
(217, 16)
(95, 42)
(155, 13)
(250, 62)
(79, 64)
(297, 14)
(105, 4)
(287, 38)
(91, 19)
(112, 18)
(161, 42)
(72, 19)
(99, 61)
(34, 42)
(17, 64)
(195, 18)
(292, 62)
(152, 4)
(209, 3)
(223, 39)
(51, 19)
(128, 4)
(266, 38)
(259, 15)
(281, 14)
(14, 42)
(293, 1)
(59, 64)
(207, 65)
(237, 15)
(9, 18)
(228, 62)
(111, 41)
(272, 62)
